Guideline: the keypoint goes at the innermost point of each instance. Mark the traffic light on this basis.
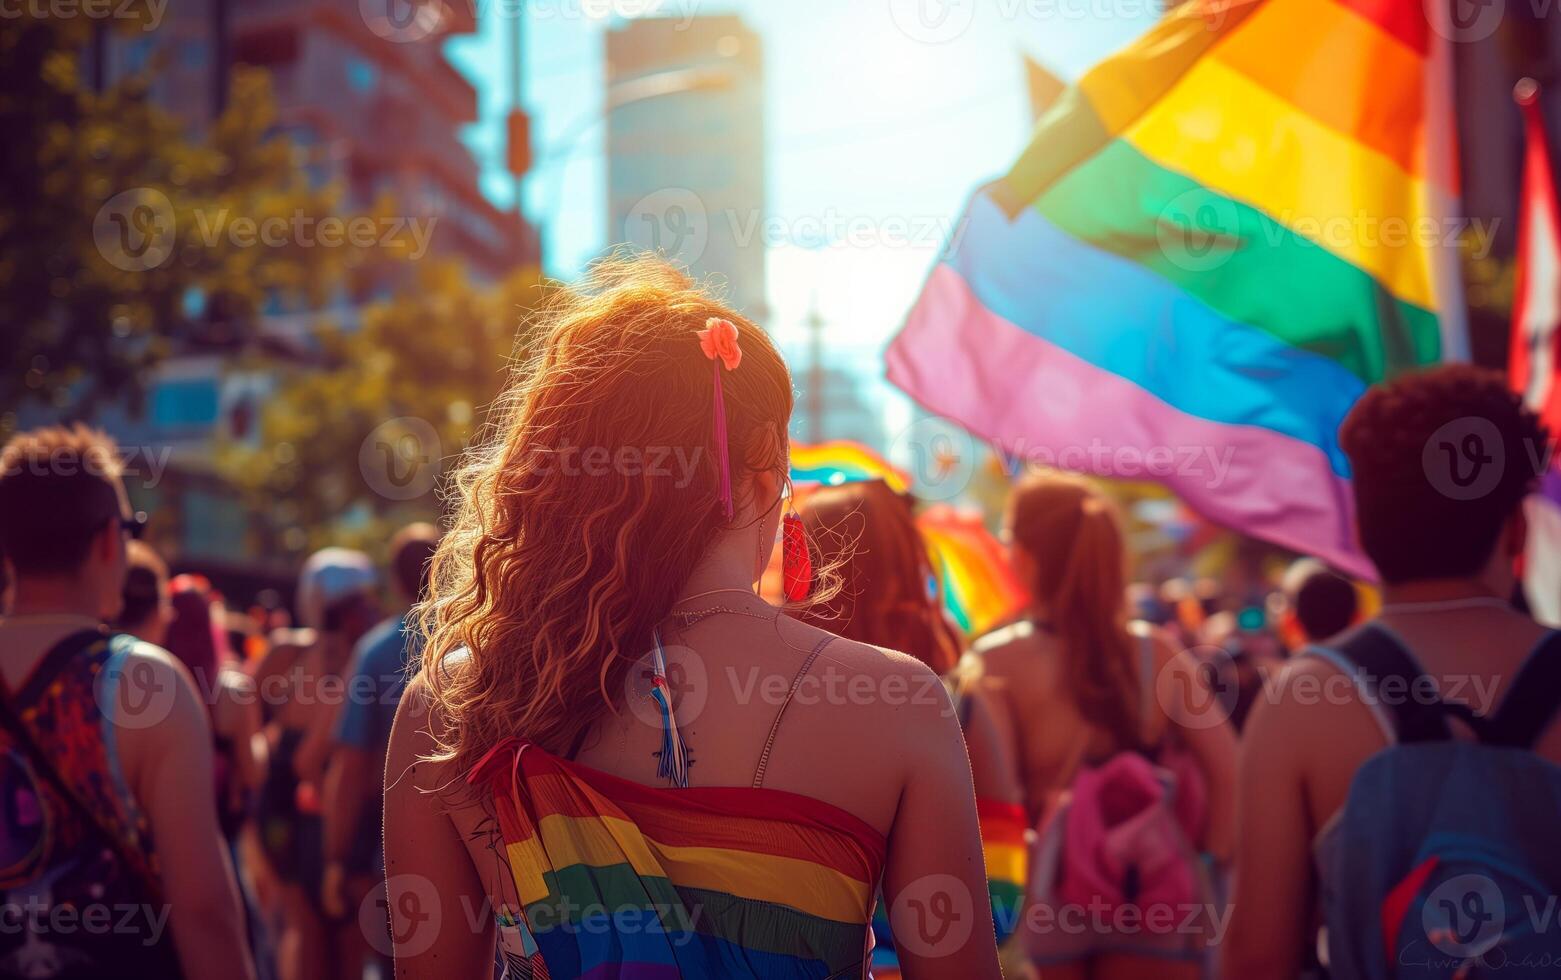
(518, 150)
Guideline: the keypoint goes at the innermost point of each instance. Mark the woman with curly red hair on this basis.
(615, 744)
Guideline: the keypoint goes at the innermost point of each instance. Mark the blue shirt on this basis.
(375, 683)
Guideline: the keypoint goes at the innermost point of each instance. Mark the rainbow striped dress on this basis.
(618, 881)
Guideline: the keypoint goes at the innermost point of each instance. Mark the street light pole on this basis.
(815, 323)
(517, 75)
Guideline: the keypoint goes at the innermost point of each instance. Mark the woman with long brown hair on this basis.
(1128, 778)
(637, 765)
(885, 593)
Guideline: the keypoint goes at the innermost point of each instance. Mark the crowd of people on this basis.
(584, 730)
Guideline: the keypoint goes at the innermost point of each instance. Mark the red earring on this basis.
(796, 562)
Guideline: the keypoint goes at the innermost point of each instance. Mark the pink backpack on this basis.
(1126, 836)
(1122, 836)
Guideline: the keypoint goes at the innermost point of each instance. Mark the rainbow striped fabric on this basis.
(842, 461)
(618, 881)
(1216, 239)
(979, 589)
(1007, 858)
(1003, 827)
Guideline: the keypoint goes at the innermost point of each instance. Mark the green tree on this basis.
(357, 446)
(112, 251)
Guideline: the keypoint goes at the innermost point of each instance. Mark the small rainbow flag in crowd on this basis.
(1007, 860)
(1007, 857)
(833, 463)
(1215, 241)
(979, 590)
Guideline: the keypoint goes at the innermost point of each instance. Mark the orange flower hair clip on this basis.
(719, 342)
(719, 339)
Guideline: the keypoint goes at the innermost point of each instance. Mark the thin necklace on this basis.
(701, 595)
(687, 618)
(1445, 605)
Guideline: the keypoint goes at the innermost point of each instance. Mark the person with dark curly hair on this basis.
(1442, 461)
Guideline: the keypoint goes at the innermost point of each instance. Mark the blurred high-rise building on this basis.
(368, 90)
(363, 89)
(372, 105)
(685, 148)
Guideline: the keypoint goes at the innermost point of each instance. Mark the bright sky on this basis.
(881, 113)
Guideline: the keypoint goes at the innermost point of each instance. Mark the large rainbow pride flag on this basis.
(1215, 241)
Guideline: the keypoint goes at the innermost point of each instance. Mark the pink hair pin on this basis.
(718, 341)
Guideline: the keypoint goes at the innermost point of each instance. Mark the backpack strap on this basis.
(1398, 689)
(1402, 692)
(48, 667)
(1532, 699)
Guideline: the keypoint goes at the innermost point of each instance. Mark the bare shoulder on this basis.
(854, 659)
(1012, 650)
(880, 686)
(1308, 701)
(151, 688)
(891, 706)
(285, 648)
(410, 759)
(1162, 643)
(289, 642)
(1005, 640)
(407, 767)
(160, 724)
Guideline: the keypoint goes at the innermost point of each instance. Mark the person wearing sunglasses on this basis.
(105, 750)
